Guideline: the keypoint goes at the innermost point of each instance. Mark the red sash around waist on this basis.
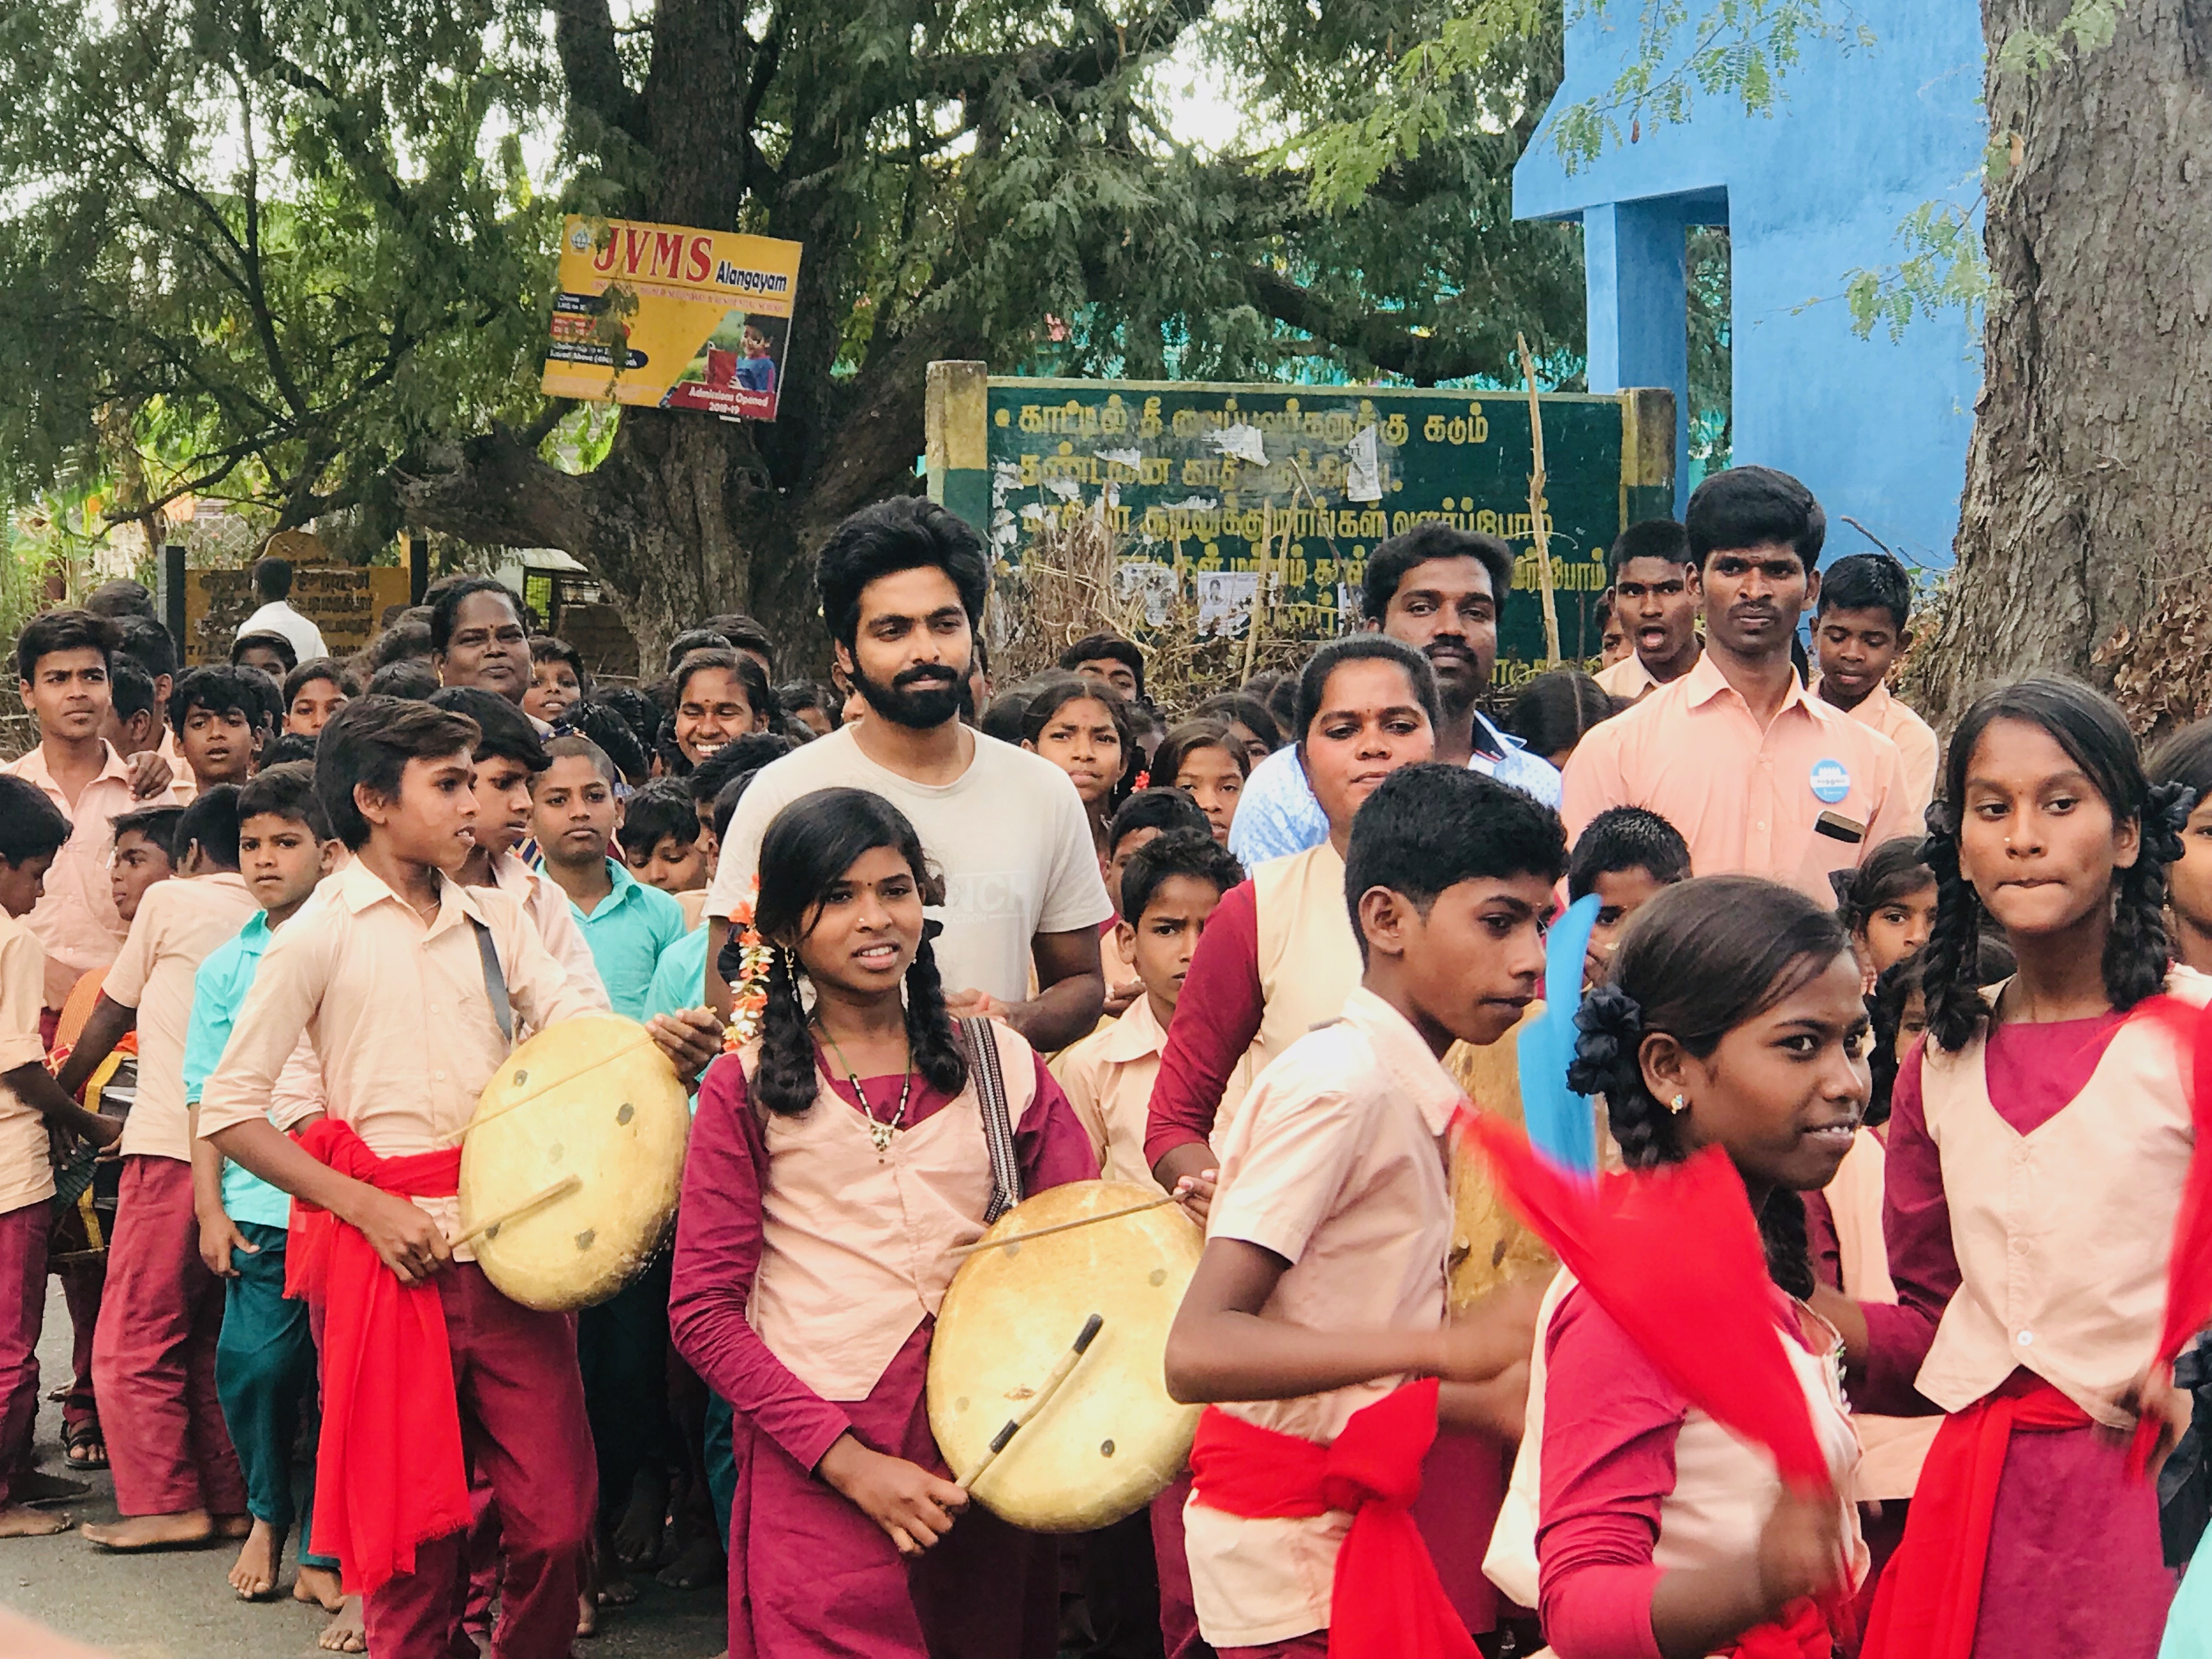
(389, 1473)
(1805, 1634)
(1930, 1598)
(1387, 1601)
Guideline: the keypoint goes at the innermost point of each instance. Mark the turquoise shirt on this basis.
(680, 981)
(633, 925)
(219, 991)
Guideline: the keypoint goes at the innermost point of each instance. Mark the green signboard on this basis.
(1275, 494)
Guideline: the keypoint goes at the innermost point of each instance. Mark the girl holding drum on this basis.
(837, 1164)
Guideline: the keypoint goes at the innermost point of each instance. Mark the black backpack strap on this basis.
(502, 1004)
(990, 1082)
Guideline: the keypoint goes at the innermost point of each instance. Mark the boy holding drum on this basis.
(412, 986)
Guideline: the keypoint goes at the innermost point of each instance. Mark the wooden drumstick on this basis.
(1061, 1227)
(561, 1189)
(1057, 1375)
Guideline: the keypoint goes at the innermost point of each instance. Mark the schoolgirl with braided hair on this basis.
(1731, 1017)
(836, 1164)
(2039, 1140)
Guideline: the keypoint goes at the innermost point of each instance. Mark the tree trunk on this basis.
(2087, 483)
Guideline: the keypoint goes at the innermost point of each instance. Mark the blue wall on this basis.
(1861, 137)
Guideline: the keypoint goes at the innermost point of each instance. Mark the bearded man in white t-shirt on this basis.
(902, 584)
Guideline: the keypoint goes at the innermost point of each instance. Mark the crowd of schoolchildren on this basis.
(923, 947)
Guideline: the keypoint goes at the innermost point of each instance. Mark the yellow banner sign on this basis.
(671, 318)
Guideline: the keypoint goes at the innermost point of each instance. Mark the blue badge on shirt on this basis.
(1831, 781)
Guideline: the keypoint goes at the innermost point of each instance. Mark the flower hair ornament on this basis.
(749, 985)
(1612, 1025)
(2165, 816)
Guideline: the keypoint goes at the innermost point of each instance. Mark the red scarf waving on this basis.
(389, 1473)
(1387, 1601)
(1672, 1256)
(2189, 1268)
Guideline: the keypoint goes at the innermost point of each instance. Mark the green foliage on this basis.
(271, 253)
(1943, 267)
(2087, 27)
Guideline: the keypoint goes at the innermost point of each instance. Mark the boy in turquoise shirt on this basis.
(627, 924)
(265, 1356)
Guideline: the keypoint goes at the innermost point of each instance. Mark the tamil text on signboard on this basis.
(1274, 496)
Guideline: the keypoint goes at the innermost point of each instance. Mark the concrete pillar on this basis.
(1633, 261)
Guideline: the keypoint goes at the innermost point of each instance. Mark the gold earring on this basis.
(1678, 1105)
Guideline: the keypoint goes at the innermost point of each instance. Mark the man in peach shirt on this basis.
(1858, 635)
(1655, 604)
(410, 985)
(63, 659)
(1759, 776)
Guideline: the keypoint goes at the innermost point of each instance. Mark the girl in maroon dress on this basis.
(2038, 1147)
(1641, 1527)
(835, 1166)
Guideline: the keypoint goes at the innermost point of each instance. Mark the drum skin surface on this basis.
(591, 1097)
(1110, 1439)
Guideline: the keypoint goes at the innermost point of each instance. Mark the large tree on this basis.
(297, 251)
(2089, 506)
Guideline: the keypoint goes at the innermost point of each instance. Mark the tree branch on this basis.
(1381, 337)
(584, 35)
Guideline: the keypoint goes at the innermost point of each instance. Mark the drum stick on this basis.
(1062, 1226)
(1036, 1403)
(561, 1189)
(454, 1137)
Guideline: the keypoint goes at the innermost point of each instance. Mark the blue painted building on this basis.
(1863, 136)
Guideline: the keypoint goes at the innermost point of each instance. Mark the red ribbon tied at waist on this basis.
(1387, 1601)
(389, 1472)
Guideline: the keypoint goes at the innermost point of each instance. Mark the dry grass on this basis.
(1065, 589)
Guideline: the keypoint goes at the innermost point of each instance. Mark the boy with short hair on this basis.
(1318, 1309)
(1859, 633)
(1168, 890)
(134, 722)
(146, 851)
(627, 924)
(1137, 821)
(63, 659)
(1653, 602)
(1625, 856)
(508, 754)
(264, 1358)
(218, 713)
(177, 1480)
(677, 980)
(389, 970)
(32, 832)
(665, 846)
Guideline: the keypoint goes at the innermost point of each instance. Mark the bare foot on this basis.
(345, 1633)
(699, 1564)
(16, 1521)
(39, 1487)
(587, 1615)
(234, 1526)
(320, 1586)
(253, 1576)
(153, 1531)
(637, 1534)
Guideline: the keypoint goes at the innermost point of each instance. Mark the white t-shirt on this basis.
(279, 617)
(1010, 836)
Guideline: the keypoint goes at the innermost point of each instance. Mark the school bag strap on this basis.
(990, 1081)
(502, 1005)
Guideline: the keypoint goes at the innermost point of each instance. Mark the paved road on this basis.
(178, 1606)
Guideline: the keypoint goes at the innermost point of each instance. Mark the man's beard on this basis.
(935, 702)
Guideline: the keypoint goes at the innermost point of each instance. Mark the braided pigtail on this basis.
(1782, 1234)
(1609, 1062)
(1948, 978)
(784, 1079)
(2137, 950)
(929, 1031)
